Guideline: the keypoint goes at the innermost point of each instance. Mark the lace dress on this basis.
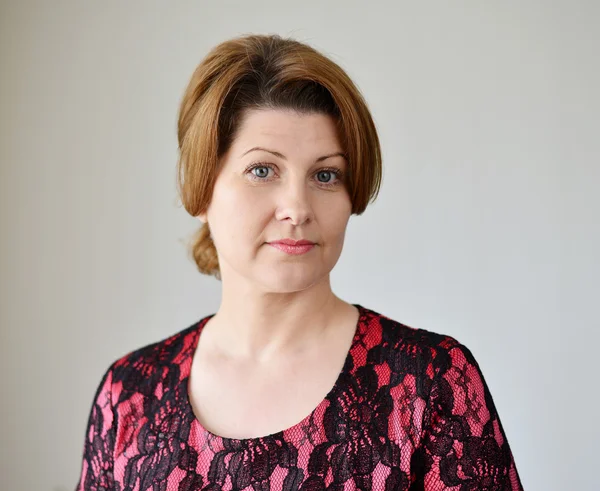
(410, 410)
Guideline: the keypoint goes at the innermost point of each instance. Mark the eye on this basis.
(326, 177)
(262, 171)
(325, 174)
(330, 176)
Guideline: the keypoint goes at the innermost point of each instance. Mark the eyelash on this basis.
(336, 172)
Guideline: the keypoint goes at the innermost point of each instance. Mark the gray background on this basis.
(486, 227)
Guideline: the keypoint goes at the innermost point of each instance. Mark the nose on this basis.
(294, 203)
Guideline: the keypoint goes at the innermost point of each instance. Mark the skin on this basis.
(279, 339)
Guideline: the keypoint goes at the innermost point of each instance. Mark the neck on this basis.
(264, 325)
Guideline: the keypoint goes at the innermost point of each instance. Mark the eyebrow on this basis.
(281, 156)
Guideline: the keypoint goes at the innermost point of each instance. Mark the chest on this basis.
(246, 400)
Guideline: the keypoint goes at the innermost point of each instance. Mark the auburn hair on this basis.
(266, 72)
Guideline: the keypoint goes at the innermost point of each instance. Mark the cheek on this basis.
(237, 212)
(333, 220)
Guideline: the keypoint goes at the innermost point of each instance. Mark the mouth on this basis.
(297, 249)
(293, 242)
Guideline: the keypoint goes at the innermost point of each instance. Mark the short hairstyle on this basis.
(266, 72)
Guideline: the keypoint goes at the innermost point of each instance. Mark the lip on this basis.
(292, 242)
(293, 247)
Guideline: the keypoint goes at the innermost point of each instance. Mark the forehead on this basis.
(287, 127)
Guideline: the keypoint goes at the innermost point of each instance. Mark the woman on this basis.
(288, 386)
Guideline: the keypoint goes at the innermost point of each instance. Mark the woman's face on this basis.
(292, 187)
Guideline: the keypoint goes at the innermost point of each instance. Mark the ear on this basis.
(202, 217)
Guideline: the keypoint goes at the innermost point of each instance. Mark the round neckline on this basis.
(187, 367)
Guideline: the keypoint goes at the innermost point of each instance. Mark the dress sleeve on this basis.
(463, 444)
(98, 449)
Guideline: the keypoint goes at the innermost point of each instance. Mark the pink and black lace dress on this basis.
(409, 411)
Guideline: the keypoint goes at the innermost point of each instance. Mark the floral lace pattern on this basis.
(410, 411)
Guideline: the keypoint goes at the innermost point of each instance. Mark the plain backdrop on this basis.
(486, 227)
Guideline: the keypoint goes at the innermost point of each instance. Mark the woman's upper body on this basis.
(410, 409)
(287, 386)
